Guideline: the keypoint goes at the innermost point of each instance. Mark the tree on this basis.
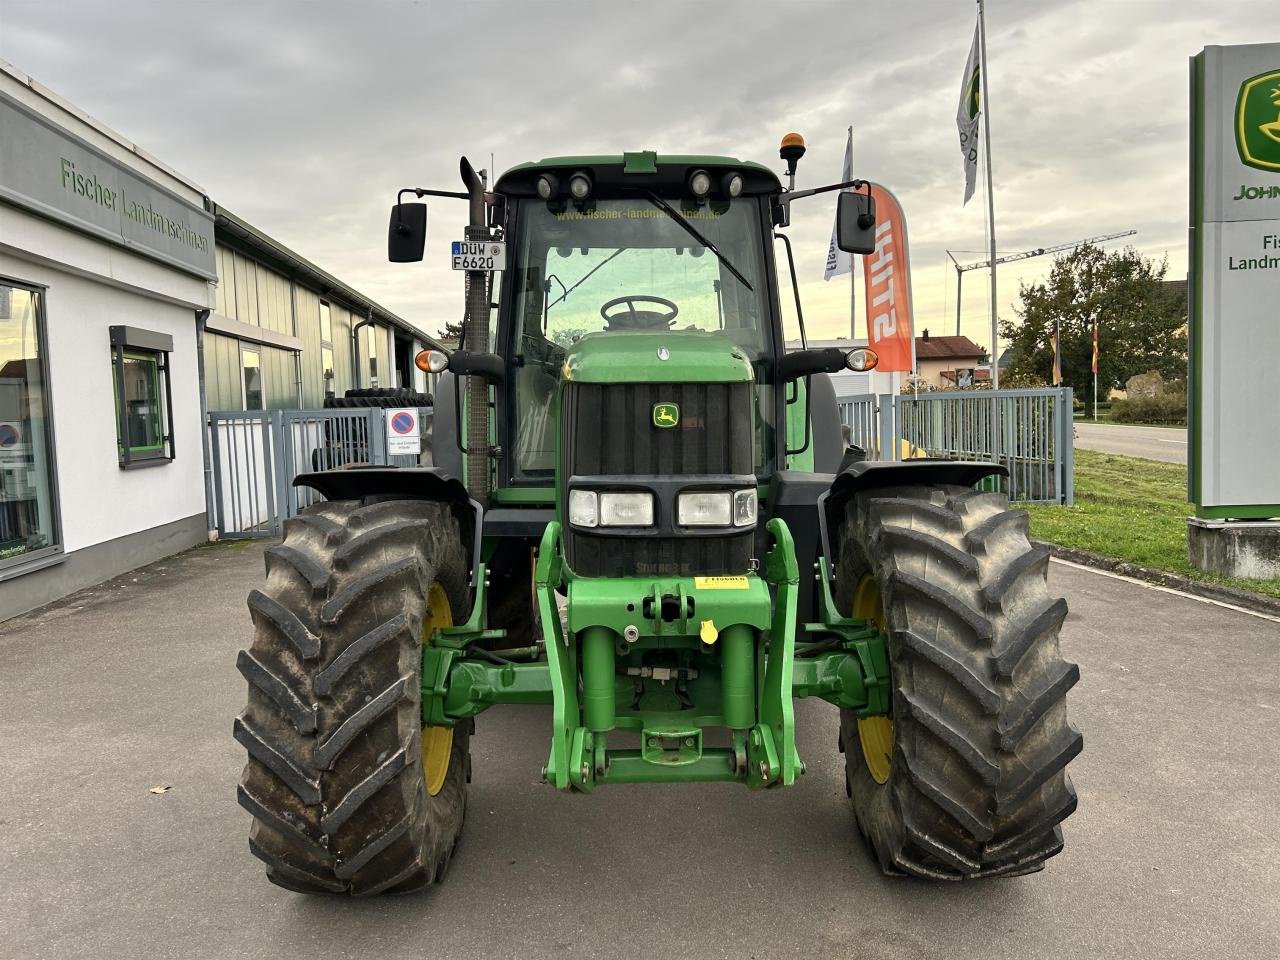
(452, 331)
(1141, 323)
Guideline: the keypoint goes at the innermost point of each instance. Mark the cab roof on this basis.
(640, 170)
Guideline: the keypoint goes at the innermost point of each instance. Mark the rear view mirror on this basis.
(407, 233)
(856, 223)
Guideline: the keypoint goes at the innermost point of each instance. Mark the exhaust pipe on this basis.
(475, 337)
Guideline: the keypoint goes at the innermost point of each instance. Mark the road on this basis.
(1152, 443)
(1173, 853)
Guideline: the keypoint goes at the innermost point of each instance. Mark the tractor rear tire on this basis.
(974, 783)
(333, 727)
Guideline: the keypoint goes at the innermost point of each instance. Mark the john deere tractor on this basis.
(642, 514)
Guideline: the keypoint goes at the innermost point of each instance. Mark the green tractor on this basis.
(643, 513)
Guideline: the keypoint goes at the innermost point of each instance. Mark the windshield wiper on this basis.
(679, 218)
(585, 277)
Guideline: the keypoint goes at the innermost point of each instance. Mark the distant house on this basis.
(948, 362)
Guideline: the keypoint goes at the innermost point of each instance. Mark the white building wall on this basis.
(99, 501)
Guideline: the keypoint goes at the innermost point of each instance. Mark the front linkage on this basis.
(676, 660)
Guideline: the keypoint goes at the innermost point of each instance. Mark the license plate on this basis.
(486, 255)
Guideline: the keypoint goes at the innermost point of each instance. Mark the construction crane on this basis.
(961, 268)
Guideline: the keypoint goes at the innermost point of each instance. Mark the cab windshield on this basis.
(629, 264)
(626, 264)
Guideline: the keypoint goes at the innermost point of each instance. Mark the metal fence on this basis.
(1029, 431)
(256, 454)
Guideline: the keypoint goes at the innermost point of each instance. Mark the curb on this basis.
(1212, 591)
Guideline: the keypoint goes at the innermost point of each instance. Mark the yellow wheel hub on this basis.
(875, 733)
(437, 742)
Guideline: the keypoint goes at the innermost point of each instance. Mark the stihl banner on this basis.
(887, 276)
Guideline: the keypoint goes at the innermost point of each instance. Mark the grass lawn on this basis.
(1132, 509)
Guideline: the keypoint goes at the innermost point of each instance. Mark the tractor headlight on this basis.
(704, 509)
(584, 508)
(744, 508)
(580, 185)
(626, 509)
(731, 185)
(700, 183)
(548, 186)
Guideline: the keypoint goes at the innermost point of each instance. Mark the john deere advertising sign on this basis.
(57, 175)
(1258, 121)
(1235, 282)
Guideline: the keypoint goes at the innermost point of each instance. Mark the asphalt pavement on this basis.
(1174, 852)
(1151, 443)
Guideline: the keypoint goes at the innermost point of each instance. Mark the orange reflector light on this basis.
(431, 361)
(861, 360)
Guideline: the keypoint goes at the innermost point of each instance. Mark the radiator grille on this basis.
(608, 430)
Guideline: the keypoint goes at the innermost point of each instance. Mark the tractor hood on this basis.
(691, 356)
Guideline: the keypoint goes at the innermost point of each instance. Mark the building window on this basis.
(28, 505)
(326, 350)
(326, 362)
(326, 323)
(144, 401)
(251, 369)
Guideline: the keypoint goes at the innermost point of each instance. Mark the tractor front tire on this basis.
(967, 778)
(349, 793)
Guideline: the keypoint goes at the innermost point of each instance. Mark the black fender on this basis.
(794, 496)
(875, 474)
(824, 414)
(404, 483)
(446, 453)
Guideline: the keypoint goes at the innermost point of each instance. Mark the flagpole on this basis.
(991, 200)
(1095, 369)
(853, 272)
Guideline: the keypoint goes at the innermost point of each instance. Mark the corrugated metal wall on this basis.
(222, 384)
(252, 293)
(224, 377)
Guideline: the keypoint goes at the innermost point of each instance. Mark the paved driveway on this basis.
(1174, 853)
(1151, 443)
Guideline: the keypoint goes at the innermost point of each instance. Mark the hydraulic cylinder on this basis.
(598, 708)
(738, 676)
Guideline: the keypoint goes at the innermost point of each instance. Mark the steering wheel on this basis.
(633, 319)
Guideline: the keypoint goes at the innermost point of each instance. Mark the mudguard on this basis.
(874, 474)
(403, 483)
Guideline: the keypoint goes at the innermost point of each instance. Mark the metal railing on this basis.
(859, 414)
(256, 454)
(1029, 431)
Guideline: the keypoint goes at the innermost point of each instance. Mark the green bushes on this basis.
(1168, 406)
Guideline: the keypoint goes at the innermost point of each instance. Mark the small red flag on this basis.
(1057, 357)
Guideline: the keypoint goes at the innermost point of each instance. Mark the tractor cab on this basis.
(666, 261)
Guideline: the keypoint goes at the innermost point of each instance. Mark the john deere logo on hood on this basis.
(666, 414)
(1258, 121)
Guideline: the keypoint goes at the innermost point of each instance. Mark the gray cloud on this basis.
(305, 117)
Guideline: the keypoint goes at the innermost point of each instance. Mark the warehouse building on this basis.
(131, 304)
(283, 333)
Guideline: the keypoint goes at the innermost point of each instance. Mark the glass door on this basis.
(28, 511)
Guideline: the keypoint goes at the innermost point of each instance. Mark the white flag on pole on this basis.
(967, 117)
(839, 261)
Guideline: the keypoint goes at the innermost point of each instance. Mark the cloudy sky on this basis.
(304, 118)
